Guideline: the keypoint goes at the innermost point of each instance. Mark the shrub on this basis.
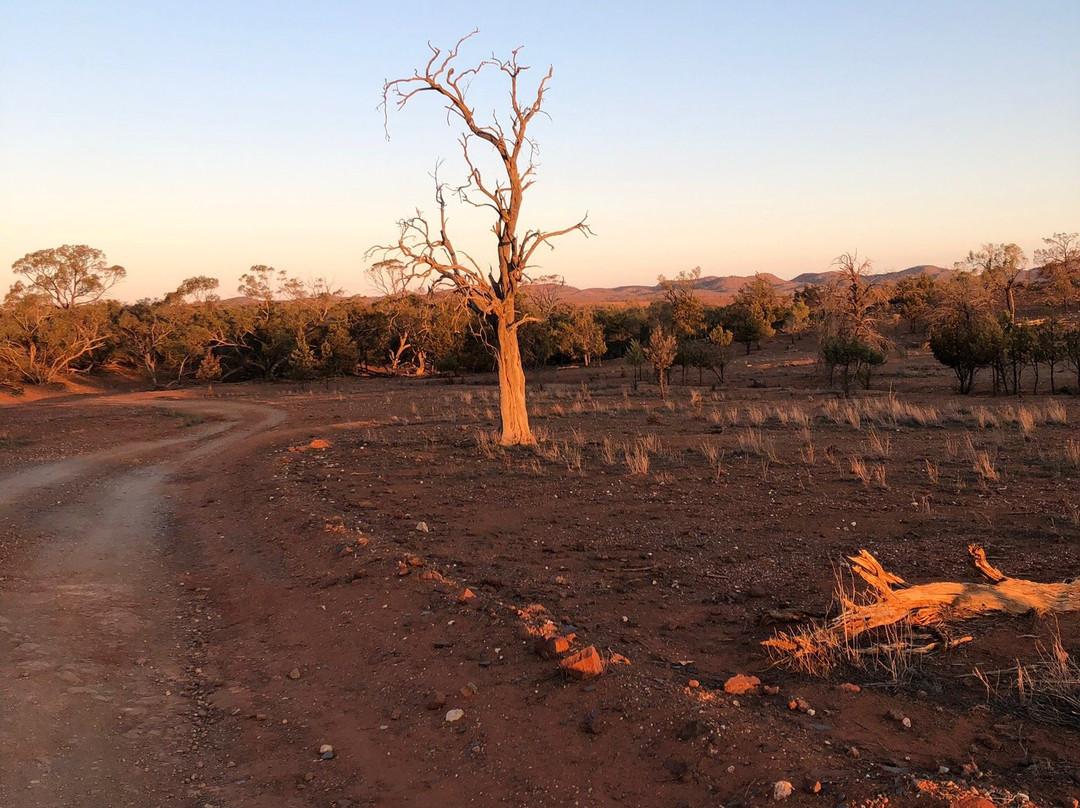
(966, 343)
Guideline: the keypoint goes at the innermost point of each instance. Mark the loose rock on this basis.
(553, 647)
(781, 790)
(974, 801)
(455, 715)
(741, 684)
(585, 664)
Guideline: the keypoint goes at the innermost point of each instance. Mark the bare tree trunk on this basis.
(512, 405)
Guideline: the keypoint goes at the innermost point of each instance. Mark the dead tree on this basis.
(889, 603)
(426, 248)
(943, 601)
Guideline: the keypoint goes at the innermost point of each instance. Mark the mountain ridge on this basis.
(721, 289)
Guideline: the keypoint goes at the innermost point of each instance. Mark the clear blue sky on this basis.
(199, 138)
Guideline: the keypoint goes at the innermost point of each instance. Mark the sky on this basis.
(201, 138)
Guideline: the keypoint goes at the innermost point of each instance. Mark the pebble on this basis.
(455, 715)
(294, 674)
(781, 790)
(326, 752)
(802, 705)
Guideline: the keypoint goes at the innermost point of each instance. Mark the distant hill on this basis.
(809, 278)
(721, 290)
(714, 290)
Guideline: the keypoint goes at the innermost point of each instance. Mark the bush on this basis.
(856, 360)
(966, 343)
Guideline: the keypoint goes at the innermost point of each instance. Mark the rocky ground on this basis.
(339, 594)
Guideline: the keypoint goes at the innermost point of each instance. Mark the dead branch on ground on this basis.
(887, 604)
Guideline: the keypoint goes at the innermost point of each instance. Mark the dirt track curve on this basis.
(93, 629)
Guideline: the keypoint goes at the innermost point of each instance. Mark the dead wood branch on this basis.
(942, 601)
(885, 605)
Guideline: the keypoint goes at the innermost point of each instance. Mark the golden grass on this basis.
(861, 470)
(637, 458)
(933, 471)
(984, 467)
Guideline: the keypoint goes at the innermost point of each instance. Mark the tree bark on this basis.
(512, 406)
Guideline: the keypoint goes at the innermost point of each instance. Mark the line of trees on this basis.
(996, 315)
(991, 313)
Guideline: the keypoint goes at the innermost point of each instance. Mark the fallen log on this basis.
(944, 601)
(886, 604)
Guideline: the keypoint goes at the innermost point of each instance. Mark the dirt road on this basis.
(95, 627)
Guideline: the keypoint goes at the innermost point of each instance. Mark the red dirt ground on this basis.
(299, 628)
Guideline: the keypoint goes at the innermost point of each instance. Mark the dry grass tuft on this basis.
(572, 458)
(637, 458)
(1048, 688)
(1024, 419)
(756, 415)
(817, 649)
(933, 471)
(651, 442)
(984, 467)
(852, 415)
(859, 469)
(878, 446)
(1054, 413)
(986, 419)
(715, 456)
(487, 441)
(1072, 452)
(607, 451)
(753, 444)
(731, 414)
